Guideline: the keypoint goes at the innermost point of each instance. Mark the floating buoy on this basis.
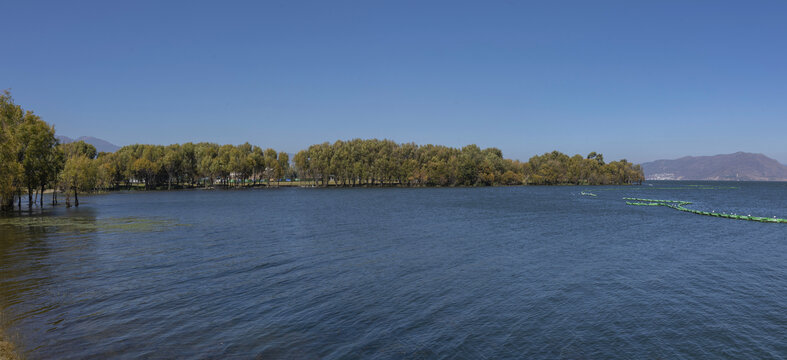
(679, 205)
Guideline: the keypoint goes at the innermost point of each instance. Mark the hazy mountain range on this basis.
(101, 145)
(739, 166)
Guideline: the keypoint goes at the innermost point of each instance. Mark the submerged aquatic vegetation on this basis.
(86, 224)
(7, 349)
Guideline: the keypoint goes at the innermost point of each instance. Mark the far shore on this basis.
(289, 184)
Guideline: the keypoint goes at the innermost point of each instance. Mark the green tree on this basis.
(284, 164)
(172, 163)
(11, 170)
(79, 174)
(79, 148)
(39, 144)
(145, 171)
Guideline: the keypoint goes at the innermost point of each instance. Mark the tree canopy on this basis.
(32, 159)
(384, 162)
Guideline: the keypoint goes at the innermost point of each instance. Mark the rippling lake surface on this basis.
(473, 273)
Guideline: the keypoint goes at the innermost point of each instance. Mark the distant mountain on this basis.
(101, 145)
(739, 166)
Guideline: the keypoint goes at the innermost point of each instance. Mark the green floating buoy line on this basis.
(679, 205)
(659, 201)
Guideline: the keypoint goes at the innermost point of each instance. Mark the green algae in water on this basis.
(82, 224)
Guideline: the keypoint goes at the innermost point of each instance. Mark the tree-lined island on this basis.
(33, 161)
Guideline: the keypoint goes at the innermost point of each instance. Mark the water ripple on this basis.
(398, 273)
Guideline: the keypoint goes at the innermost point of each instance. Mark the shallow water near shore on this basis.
(506, 272)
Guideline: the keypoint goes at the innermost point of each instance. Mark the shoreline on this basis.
(310, 184)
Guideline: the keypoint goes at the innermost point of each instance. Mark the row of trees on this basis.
(27, 152)
(32, 160)
(383, 162)
(190, 165)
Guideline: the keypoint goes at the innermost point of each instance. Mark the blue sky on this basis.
(631, 79)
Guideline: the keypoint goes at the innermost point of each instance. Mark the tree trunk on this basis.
(76, 198)
(7, 204)
(29, 196)
(41, 201)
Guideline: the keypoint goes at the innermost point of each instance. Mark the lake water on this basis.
(472, 273)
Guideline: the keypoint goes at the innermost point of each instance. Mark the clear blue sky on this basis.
(634, 79)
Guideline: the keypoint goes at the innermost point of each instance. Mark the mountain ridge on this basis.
(739, 166)
(100, 144)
